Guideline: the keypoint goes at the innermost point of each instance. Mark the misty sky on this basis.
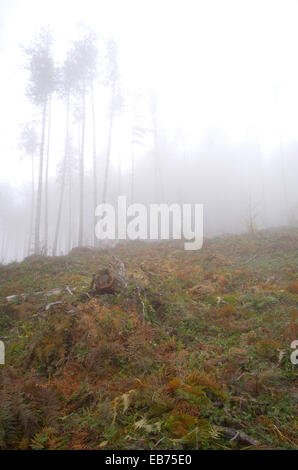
(230, 65)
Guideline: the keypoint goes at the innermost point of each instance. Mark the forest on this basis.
(95, 133)
(180, 336)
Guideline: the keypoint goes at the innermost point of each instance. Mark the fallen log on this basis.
(56, 291)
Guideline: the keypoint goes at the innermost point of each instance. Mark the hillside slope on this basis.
(196, 348)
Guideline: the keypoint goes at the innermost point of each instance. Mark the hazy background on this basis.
(223, 77)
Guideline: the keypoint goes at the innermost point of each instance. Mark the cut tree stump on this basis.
(110, 280)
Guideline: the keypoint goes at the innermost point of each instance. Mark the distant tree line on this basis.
(73, 82)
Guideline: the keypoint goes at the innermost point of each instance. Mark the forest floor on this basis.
(194, 354)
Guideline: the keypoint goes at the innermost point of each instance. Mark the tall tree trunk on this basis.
(94, 164)
(16, 250)
(119, 174)
(32, 206)
(81, 215)
(46, 210)
(25, 246)
(3, 247)
(69, 213)
(63, 179)
(158, 175)
(105, 185)
(39, 189)
(283, 179)
(7, 246)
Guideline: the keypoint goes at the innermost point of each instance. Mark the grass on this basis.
(213, 353)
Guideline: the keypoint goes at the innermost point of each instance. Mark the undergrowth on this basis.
(200, 342)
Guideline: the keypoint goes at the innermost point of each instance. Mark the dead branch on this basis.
(237, 435)
(48, 306)
(12, 298)
(69, 290)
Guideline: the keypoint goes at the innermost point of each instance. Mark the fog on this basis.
(163, 102)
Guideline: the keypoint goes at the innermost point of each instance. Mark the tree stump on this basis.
(110, 280)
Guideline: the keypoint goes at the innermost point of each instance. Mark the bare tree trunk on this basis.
(25, 246)
(16, 250)
(81, 215)
(3, 247)
(105, 185)
(252, 216)
(119, 174)
(32, 206)
(7, 243)
(46, 213)
(283, 179)
(158, 175)
(63, 178)
(94, 164)
(159, 189)
(69, 213)
(39, 189)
